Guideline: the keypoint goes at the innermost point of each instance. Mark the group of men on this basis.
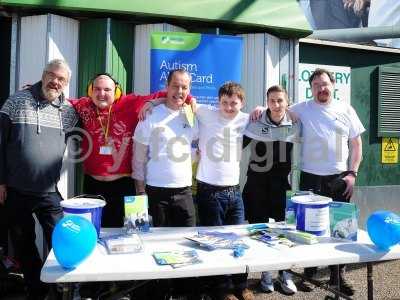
(154, 159)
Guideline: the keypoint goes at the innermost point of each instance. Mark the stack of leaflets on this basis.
(177, 259)
(271, 238)
(218, 240)
(280, 233)
(122, 243)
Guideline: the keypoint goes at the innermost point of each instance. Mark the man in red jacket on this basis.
(109, 120)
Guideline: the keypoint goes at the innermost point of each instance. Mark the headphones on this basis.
(118, 89)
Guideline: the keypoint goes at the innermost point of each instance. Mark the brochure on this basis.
(136, 213)
(218, 240)
(177, 259)
(122, 243)
(272, 239)
(343, 220)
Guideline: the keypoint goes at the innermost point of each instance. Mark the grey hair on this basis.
(58, 63)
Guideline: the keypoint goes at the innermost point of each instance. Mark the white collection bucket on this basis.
(89, 208)
(312, 214)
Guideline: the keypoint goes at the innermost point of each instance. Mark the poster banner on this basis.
(342, 75)
(345, 14)
(211, 60)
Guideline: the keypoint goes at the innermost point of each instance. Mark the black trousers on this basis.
(171, 207)
(113, 191)
(265, 197)
(19, 207)
(322, 185)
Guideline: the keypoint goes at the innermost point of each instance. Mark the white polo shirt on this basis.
(168, 137)
(326, 132)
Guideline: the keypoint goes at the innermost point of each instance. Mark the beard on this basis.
(323, 97)
(50, 94)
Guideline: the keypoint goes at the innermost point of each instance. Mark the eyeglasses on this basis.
(60, 79)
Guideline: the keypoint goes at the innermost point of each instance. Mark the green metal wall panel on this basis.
(364, 99)
(92, 60)
(92, 51)
(105, 45)
(120, 58)
(280, 17)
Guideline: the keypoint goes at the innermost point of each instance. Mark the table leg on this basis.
(337, 275)
(67, 291)
(370, 281)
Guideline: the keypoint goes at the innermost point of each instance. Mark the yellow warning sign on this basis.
(390, 150)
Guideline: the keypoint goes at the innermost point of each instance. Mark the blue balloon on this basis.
(74, 239)
(384, 229)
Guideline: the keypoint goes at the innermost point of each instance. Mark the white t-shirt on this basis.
(325, 135)
(220, 144)
(169, 137)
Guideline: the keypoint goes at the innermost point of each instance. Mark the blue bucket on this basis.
(89, 208)
(312, 214)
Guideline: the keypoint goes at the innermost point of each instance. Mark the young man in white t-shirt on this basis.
(219, 199)
(218, 196)
(162, 161)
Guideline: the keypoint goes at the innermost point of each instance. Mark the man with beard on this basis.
(34, 124)
(331, 150)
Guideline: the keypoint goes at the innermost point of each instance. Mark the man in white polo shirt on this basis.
(331, 149)
(162, 161)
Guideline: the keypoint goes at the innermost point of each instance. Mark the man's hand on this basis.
(147, 108)
(3, 193)
(255, 115)
(193, 104)
(350, 181)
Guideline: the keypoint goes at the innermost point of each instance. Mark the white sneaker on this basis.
(286, 282)
(266, 283)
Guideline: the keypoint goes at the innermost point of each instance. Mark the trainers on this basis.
(247, 295)
(266, 283)
(286, 282)
(306, 286)
(229, 297)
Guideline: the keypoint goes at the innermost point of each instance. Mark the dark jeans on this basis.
(171, 207)
(221, 205)
(322, 185)
(113, 191)
(19, 207)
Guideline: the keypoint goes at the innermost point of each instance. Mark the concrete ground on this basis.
(386, 284)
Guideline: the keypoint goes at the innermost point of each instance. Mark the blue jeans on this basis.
(219, 205)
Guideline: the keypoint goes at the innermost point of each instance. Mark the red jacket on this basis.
(124, 118)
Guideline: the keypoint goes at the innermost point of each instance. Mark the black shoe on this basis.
(305, 286)
(345, 287)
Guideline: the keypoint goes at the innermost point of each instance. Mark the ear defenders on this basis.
(118, 89)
